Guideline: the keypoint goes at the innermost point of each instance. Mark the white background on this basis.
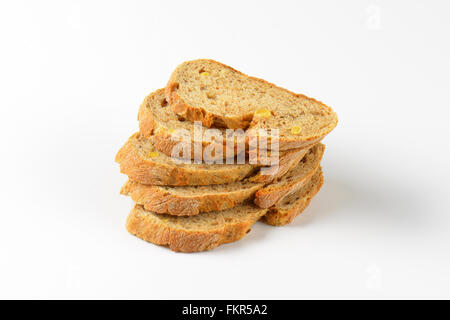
(72, 75)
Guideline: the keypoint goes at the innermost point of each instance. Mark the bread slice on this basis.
(209, 230)
(161, 126)
(294, 204)
(143, 163)
(293, 180)
(192, 200)
(192, 234)
(139, 159)
(220, 96)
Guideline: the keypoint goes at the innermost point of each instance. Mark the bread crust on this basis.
(146, 227)
(165, 200)
(162, 201)
(277, 216)
(244, 121)
(271, 195)
(286, 161)
(149, 172)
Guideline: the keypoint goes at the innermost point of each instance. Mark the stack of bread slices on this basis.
(195, 194)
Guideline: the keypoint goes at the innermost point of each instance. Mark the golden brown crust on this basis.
(169, 200)
(146, 171)
(271, 195)
(145, 226)
(286, 161)
(146, 121)
(278, 216)
(161, 200)
(286, 144)
(268, 197)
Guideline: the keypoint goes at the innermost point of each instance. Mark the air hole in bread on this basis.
(164, 103)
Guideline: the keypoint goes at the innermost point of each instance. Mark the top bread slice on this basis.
(220, 96)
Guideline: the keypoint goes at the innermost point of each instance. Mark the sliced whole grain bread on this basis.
(192, 200)
(220, 96)
(164, 129)
(196, 233)
(139, 159)
(143, 163)
(294, 204)
(293, 180)
(209, 230)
